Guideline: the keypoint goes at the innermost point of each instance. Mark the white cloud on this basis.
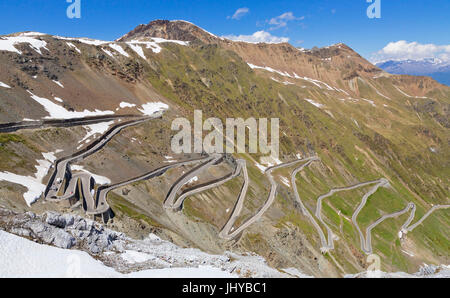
(282, 20)
(240, 12)
(402, 50)
(259, 36)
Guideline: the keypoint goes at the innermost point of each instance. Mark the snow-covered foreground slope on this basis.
(103, 253)
(74, 246)
(20, 257)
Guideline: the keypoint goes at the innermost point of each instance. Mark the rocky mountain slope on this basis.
(363, 124)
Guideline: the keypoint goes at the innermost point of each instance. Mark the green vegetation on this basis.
(119, 204)
(359, 143)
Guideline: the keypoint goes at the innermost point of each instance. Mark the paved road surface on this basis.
(178, 204)
(170, 201)
(96, 203)
(38, 124)
(406, 228)
(102, 205)
(331, 236)
(63, 173)
(382, 182)
(305, 211)
(368, 245)
(227, 231)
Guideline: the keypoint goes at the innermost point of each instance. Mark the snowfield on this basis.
(102, 180)
(84, 40)
(30, 33)
(295, 272)
(22, 258)
(4, 85)
(131, 256)
(58, 112)
(96, 129)
(108, 53)
(124, 104)
(119, 49)
(8, 43)
(34, 185)
(138, 49)
(153, 107)
(58, 83)
(152, 45)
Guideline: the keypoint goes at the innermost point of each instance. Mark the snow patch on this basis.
(161, 40)
(58, 83)
(153, 107)
(295, 272)
(58, 112)
(102, 180)
(71, 45)
(31, 33)
(408, 253)
(200, 272)
(314, 103)
(284, 74)
(318, 83)
(94, 129)
(34, 185)
(152, 45)
(132, 257)
(370, 101)
(23, 258)
(108, 52)
(261, 167)
(4, 85)
(119, 49)
(138, 49)
(194, 179)
(169, 159)
(124, 104)
(8, 43)
(51, 262)
(84, 40)
(285, 181)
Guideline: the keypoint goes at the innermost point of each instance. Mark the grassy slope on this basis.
(389, 141)
(357, 143)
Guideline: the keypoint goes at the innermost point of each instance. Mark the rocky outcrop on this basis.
(124, 254)
(175, 30)
(62, 230)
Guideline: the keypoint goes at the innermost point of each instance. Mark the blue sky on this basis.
(306, 23)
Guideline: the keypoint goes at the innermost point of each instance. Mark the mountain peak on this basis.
(175, 30)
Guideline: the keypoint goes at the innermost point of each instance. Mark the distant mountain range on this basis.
(433, 67)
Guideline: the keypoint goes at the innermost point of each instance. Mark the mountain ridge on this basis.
(186, 31)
